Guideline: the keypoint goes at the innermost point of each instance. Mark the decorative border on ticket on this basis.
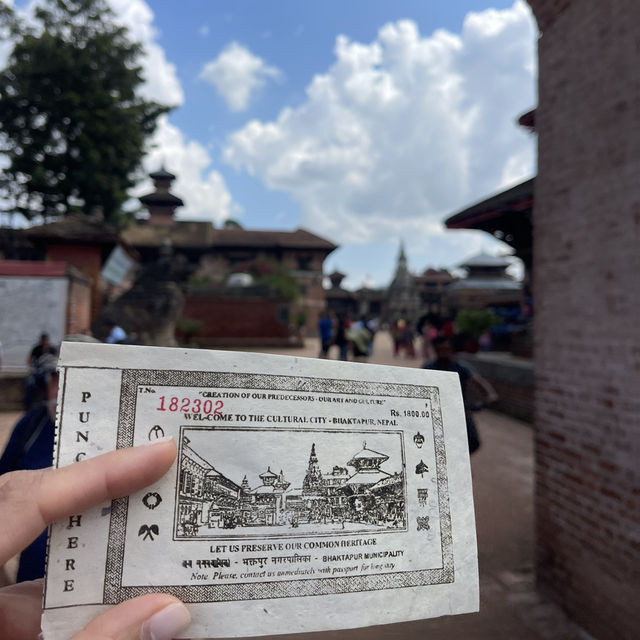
(115, 592)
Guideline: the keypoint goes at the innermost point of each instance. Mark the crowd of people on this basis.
(427, 328)
(353, 340)
(437, 352)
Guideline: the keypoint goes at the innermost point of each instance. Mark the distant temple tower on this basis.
(313, 479)
(268, 478)
(161, 203)
(403, 297)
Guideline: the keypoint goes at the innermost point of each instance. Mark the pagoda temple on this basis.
(487, 284)
(266, 503)
(161, 203)
(367, 465)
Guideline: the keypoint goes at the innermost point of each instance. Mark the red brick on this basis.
(587, 353)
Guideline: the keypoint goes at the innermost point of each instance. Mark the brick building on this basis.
(215, 253)
(83, 242)
(587, 293)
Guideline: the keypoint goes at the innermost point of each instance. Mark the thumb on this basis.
(155, 616)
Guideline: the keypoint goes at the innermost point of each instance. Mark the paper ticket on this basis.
(306, 495)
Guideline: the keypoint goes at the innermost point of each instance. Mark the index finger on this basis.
(31, 500)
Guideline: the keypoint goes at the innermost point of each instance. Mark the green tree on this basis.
(475, 322)
(276, 277)
(72, 122)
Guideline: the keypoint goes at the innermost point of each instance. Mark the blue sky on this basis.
(367, 122)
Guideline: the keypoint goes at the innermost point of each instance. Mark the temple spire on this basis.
(402, 259)
(403, 297)
(313, 478)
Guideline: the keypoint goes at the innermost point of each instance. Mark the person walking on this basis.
(42, 347)
(325, 332)
(446, 361)
(341, 340)
(359, 337)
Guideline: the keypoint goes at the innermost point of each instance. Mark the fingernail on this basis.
(166, 623)
(157, 441)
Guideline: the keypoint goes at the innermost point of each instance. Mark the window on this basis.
(304, 263)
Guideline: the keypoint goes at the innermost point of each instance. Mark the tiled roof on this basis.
(518, 199)
(369, 454)
(74, 229)
(368, 477)
(483, 259)
(387, 482)
(299, 239)
(204, 235)
(162, 174)
(161, 197)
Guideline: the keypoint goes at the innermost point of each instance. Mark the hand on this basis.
(31, 500)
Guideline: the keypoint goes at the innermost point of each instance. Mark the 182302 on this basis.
(190, 405)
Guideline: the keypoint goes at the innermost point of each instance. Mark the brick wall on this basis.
(587, 296)
(216, 267)
(88, 259)
(511, 377)
(248, 320)
(78, 305)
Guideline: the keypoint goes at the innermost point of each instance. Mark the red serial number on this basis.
(190, 405)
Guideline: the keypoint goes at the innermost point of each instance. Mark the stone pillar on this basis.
(587, 306)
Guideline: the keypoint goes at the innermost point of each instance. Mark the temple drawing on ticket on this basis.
(231, 484)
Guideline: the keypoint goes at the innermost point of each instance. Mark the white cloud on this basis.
(203, 190)
(401, 132)
(161, 80)
(237, 74)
